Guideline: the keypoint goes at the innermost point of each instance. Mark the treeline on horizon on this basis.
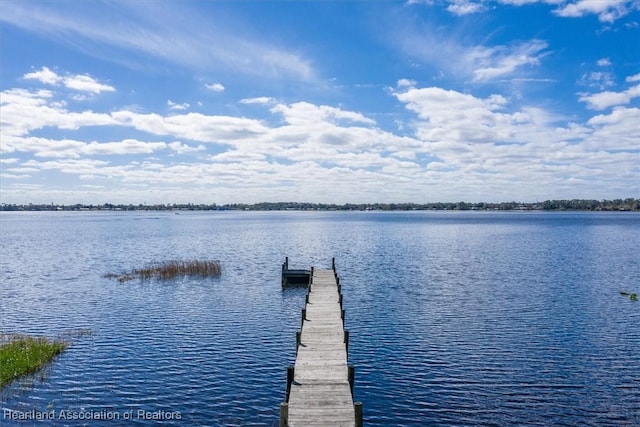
(629, 204)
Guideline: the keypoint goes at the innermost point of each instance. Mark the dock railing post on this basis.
(284, 414)
(346, 341)
(357, 406)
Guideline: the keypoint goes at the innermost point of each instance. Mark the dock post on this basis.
(352, 377)
(339, 300)
(346, 341)
(283, 269)
(357, 406)
(298, 339)
(284, 414)
(290, 375)
(333, 264)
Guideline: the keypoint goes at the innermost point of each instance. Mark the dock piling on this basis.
(284, 414)
(290, 377)
(352, 377)
(358, 412)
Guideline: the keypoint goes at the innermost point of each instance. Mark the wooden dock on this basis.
(294, 278)
(320, 385)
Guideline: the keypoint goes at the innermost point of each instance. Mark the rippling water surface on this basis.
(462, 318)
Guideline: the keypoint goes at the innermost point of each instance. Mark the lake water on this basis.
(456, 318)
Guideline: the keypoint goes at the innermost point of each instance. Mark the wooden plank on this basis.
(320, 393)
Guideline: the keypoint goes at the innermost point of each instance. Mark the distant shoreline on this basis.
(629, 204)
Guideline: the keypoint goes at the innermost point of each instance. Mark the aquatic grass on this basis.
(23, 355)
(171, 269)
(632, 297)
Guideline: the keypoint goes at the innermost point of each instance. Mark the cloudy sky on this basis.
(322, 101)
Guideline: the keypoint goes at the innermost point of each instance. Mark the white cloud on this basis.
(458, 145)
(193, 126)
(604, 62)
(175, 106)
(181, 148)
(483, 140)
(216, 87)
(72, 166)
(86, 83)
(24, 111)
(126, 146)
(304, 112)
(427, 2)
(607, 10)
(451, 54)
(79, 82)
(598, 79)
(406, 83)
(602, 100)
(258, 100)
(14, 176)
(69, 148)
(617, 130)
(498, 61)
(465, 7)
(448, 115)
(634, 78)
(525, 2)
(45, 75)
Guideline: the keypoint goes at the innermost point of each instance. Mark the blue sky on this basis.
(322, 101)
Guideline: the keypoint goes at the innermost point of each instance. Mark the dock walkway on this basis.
(320, 385)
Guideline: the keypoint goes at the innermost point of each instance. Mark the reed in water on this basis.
(168, 270)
